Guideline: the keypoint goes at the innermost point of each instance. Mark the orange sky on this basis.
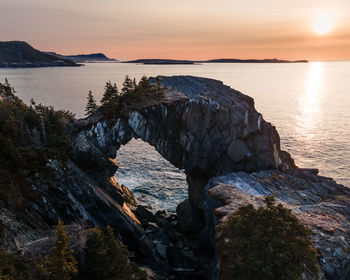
(181, 29)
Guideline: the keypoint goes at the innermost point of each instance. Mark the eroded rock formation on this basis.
(226, 149)
(203, 127)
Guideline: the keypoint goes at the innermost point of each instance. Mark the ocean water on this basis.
(309, 103)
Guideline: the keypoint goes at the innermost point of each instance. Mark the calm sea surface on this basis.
(308, 103)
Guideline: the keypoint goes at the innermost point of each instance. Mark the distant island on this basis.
(268, 60)
(221, 60)
(160, 61)
(95, 57)
(18, 54)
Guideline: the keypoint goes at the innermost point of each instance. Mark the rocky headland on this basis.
(231, 157)
(18, 54)
(90, 58)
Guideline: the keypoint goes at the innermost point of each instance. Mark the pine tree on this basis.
(158, 88)
(144, 86)
(12, 267)
(61, 264)
(95, 255)
(111, 93)
(106, 258)
(91, 105)
(128, 85)
(134, 84)
(118, 255)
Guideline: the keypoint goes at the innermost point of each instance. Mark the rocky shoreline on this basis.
(230, 155)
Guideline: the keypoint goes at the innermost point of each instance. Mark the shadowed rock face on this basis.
(203, 127)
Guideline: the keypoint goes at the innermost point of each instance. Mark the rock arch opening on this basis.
(154, 181)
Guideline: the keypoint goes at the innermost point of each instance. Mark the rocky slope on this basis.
(230, 155)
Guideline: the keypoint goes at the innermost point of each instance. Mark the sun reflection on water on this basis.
(309, 107)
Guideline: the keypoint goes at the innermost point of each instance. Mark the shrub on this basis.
(107, 259)
(266, 243)
(61, 264)
(12, 267)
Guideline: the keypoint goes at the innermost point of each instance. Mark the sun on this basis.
(323, 24)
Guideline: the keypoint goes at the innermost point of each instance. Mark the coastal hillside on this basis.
(94, 57)
(21, 54)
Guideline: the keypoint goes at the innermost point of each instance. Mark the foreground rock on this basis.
(317, 201)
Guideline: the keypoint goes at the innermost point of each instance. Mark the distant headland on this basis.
(19, 54)
(160, 61)
(221, 60)
(90, 58)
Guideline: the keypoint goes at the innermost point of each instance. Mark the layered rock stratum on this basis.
(231, 156)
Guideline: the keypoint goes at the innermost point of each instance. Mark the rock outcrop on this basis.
(317, 201)
(231, 156)
(203, 127)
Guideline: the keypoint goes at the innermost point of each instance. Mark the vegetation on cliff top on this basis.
(133, 96)
(29, 136)
(266, 243)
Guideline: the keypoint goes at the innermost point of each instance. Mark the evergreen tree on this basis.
(105, 257)
(267, 243)
(91, 105)
(145, 86)
(110, 94)
(61, 264)
(118, 255)
(12, 267)
(134, 84)
(128, 85)
(158, 88)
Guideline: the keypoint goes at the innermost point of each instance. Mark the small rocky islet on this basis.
(231, 156)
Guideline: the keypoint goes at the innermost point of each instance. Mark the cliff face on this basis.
(203, 127)
(230, 156)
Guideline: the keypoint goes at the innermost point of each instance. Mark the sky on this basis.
(182, 29)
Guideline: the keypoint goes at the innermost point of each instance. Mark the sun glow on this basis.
(323, 24)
